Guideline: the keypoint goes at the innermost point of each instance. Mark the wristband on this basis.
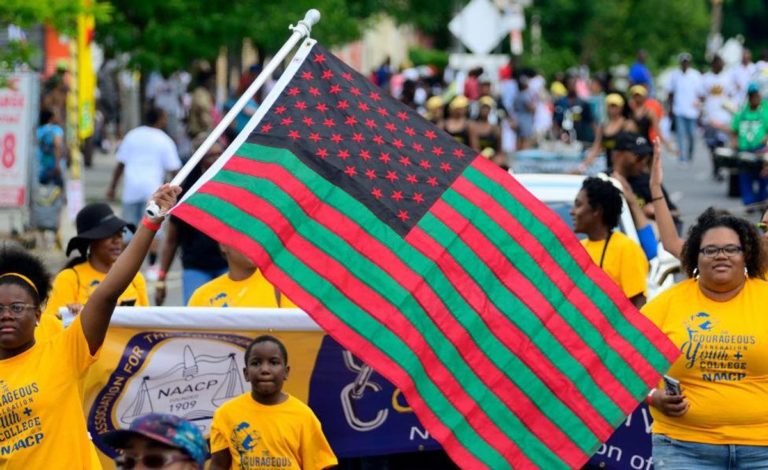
(150, 225)
(160, 285)
(649, 398)
(657, 198)
(161, 275)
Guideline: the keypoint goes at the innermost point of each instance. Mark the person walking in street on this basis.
(718, 109)
(201, 259)
(99, 242)
(717, 319)
(596, 212)
(750, 133)
(146, 156)
(684, 100)
(41, 380)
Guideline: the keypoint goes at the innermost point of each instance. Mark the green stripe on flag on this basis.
(560, 254)
(517, 311)
(379, 281)
(356, 319)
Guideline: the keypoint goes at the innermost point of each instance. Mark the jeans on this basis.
(191, 279)
(747, 179)
(684, 131)
(671, 454)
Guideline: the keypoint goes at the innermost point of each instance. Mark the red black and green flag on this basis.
(434, 266)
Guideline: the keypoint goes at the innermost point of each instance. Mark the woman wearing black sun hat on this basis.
(99, 242)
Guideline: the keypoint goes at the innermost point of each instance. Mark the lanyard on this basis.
(605, 248)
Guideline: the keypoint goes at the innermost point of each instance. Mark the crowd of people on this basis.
(713, 315)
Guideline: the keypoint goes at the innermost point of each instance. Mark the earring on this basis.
(37, 323)
(696, 273)
(746, 272)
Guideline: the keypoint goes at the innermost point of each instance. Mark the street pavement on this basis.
(691, 187)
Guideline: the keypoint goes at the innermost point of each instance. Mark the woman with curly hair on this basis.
(41, 414)
(717, 319)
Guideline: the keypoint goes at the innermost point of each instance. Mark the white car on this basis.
(558, 192)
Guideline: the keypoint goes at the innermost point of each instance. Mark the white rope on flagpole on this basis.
(301, 30)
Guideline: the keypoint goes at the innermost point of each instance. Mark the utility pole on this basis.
(715, 38)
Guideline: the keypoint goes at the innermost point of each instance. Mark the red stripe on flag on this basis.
(519, 285)
(370, 301)
(216, 229)
(511, 336)
(571, 243)
(383, 257)
(565, 284)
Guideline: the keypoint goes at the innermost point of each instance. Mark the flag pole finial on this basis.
(305, 25)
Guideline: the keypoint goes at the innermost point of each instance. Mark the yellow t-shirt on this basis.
(284, 436)
(74, 286)
(48, 327)
(624, 262)
(255, 291)
(41, 413)
(723, 369)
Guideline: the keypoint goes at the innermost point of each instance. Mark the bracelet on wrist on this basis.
(148, 224)
(161, 275)
(649, 398)
(657, 198)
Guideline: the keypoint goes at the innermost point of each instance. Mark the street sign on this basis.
(479, 26)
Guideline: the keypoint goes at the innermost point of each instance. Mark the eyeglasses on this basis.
(710, 251)
(128, 462)
(763, 227)
(16, 308)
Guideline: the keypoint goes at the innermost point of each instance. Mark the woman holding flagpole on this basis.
(718, 415)
(41, 415)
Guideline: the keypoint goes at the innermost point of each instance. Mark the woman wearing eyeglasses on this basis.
(41, 412)
(717, 319)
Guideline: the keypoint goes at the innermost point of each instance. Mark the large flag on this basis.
(434, 266)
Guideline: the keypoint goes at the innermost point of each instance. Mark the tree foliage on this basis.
(62, 14)
(602, 33)
(169, 35)
(746, 18)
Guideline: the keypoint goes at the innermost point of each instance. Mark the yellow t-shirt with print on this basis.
(254, 291)
(42, 423)
(48, 327)
(723, 369)
(287, 436)
(624, 262)
(74, 286)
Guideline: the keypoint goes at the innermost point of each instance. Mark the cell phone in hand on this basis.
(672, 386)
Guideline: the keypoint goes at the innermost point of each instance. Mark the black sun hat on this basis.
(94, 222)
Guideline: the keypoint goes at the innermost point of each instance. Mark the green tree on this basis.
(169, 35)
(746, 18)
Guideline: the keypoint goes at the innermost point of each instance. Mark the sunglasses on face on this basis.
(127, 462)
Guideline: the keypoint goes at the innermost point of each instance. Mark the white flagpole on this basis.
(301, 30)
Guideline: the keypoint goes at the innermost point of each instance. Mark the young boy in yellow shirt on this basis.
(267, 428)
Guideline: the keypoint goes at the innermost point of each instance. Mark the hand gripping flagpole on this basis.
(300, 31)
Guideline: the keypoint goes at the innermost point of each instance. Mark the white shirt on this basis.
(717, 90)
(686, 87)
(741, 75)
(148, 154)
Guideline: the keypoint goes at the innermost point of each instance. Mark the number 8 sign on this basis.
(8, 150)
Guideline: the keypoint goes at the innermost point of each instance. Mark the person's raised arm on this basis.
(97, 312)
(664, 221)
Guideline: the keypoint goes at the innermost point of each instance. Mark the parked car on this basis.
(558, 192)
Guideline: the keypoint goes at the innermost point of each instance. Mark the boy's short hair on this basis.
(266, 339)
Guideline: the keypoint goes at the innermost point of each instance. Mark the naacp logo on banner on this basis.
(188, 374)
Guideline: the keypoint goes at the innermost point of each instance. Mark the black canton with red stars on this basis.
(362, 140)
